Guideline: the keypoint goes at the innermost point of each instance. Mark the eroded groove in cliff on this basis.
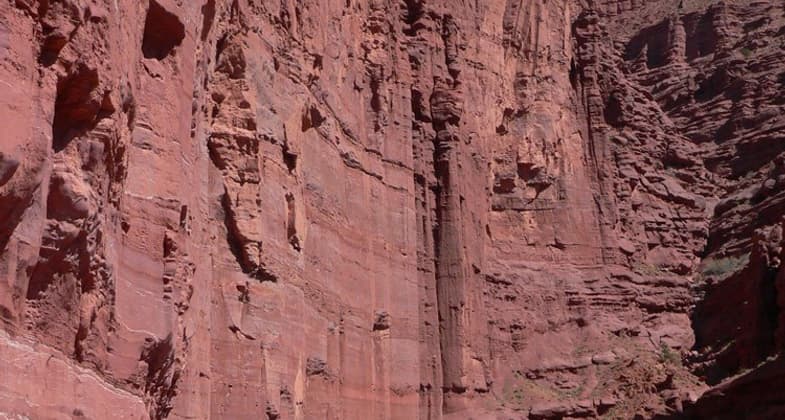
(431, 401)
(247, 252)
(77, 105)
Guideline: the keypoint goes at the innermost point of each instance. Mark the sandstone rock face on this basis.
(377, 209)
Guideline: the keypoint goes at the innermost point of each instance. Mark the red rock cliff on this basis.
(361, 209)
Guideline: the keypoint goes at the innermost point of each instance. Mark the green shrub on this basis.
(667, 355)
(724, 267)
(649, 269)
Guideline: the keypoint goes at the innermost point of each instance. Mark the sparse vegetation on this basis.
(723, 267)
(517, 396)
(746, 52)
(521, 391)
(650, 270)
(667, 355)
(580, 349)
(572, 393)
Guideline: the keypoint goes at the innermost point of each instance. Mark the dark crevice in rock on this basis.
(713, 85)
(236, 245)
(64, 20)
(79, 350)
(614, 110)
(316, 366)
(8, 167)
(51, 47)
(43, 8)
(289, 159)
(230, 58)
(574, 74)
(312, 118)
(208, 16)
(769, 312)
(77, 106)
(414, 11)
(419, 107)
(162, 376)
(163, 32)
(56, 259)
(381, 321)
(291, 220)
(184, 216)
(220, 46)
(653, 41)
(376, 99)
(701, 36)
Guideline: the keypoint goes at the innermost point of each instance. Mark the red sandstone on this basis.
(412, 209)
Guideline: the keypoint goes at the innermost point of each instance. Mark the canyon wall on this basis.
(410, 209)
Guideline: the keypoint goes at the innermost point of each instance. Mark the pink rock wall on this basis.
(386, 209)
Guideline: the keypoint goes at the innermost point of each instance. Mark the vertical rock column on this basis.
(416, 23)
(450, 184)
(588, 33)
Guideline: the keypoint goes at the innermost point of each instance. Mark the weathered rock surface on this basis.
(401, 209)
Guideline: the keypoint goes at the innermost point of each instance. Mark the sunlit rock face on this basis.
(377, 209)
